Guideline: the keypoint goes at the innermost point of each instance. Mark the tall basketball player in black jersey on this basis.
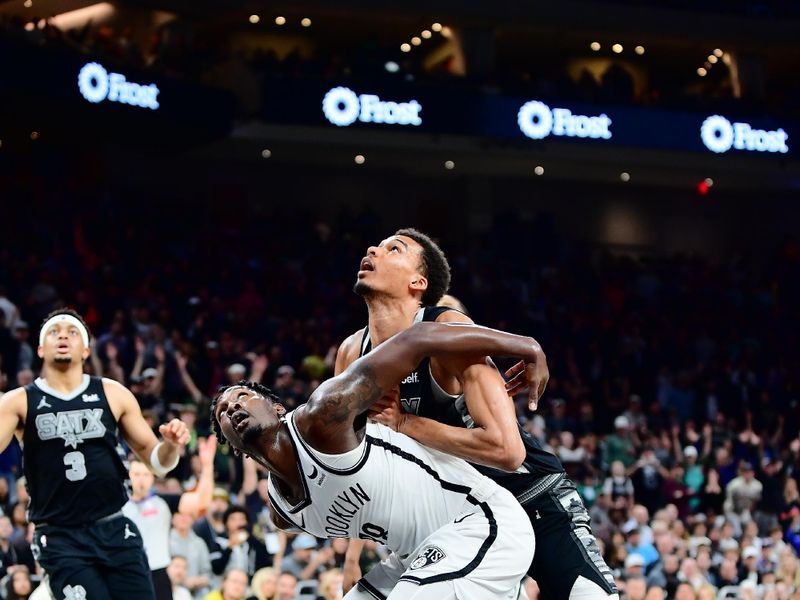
(401, 280)
(74, 467)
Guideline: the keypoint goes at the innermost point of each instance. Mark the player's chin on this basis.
(251, 434)
(362, 288)
(63, 359)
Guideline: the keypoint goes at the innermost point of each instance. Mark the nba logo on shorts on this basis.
(428, 556)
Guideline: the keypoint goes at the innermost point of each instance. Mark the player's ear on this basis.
(280, 410)
(419, 283)
(40, 351)
(85, 353)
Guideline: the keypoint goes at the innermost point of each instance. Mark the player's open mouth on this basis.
(366, 265)
(239, 420)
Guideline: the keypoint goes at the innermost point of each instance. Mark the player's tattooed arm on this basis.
(367, 379)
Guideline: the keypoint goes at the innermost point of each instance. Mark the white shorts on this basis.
(483, 553)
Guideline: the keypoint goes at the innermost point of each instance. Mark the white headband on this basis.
(64, 319)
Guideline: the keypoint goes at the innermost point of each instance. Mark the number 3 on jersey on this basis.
(77, 466)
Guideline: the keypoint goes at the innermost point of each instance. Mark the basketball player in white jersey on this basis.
(458, 534)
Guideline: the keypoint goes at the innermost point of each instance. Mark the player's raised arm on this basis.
(159, 456)
(340, 399)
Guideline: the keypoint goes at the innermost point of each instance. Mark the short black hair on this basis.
(235, 508)
(251, 385)
(71, 313)
(434, 266)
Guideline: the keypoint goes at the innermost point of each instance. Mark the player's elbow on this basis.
(513, 456)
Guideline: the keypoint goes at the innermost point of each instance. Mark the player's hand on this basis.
(351, 574)
(531, 376)
(138, 343)
(180, 360)
(388, 411)
(175, 432)
(260, 364)
(160, 354)
(207, 449)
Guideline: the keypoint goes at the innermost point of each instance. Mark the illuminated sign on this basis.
(720, 135)
(536, 120)
(342, 107)
(96, 84)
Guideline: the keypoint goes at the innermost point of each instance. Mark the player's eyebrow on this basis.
(397, 239)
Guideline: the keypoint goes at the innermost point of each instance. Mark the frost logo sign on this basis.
(720, 135)
(537, 120)
(96, 84)
(343, 107)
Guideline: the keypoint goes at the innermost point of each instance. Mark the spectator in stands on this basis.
(19, 585)
(264, 585)
(234, 586)
(742, 494)
(196, 563)
(618, 485)
(330, 585)
(177, 576)
(287, 586)
(243, 551)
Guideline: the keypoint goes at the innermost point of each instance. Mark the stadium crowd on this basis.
(673, 401)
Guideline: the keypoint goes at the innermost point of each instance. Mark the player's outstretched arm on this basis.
(494, 440)
(13, 408)
(340, 399)
(160, 457)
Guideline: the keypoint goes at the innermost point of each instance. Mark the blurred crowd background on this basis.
(218, 238)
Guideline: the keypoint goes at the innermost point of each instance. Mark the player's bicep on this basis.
(134, 428)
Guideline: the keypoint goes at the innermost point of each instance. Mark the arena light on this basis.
(720, 135)
(405, 47)
(359, 159)
(703, 188)
(95, 13)
(539, 170)
(391, 66)
(447, 32)
(34, 135)
(449, 165)
(266, 153)
(280, 20)
(617, 48)
(437, 27)
(28, 3)
(708, 181)
(712, 59)
(595, 46)
(426, 34)
(96, 85)
(254, 19)
(305, 22)
(702, 71)
(625, 177)
(416, 41)
(639, 50)
(342, 107)
(536, 120)
(718, 53)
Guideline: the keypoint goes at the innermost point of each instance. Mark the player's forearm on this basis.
(464, 340)
(354, 549)
(476, 445)
(396, 358)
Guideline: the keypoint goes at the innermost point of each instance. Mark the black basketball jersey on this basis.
(71, 456)
(421, 395)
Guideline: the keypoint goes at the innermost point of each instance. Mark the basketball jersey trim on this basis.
(454, 487)
(313, 454)
(306, 501)
(41, 383)
(282, 513)
(370, 589)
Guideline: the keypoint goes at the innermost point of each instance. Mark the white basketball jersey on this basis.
(390, 489)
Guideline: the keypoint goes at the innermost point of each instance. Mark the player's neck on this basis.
(63, 380)
(390, 316)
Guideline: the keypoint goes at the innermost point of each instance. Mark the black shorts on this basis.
(565, 545)
(104, 559)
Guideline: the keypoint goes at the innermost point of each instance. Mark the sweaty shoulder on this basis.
(15, 402)
(453, 316)
(349, 350)
(119, 397)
